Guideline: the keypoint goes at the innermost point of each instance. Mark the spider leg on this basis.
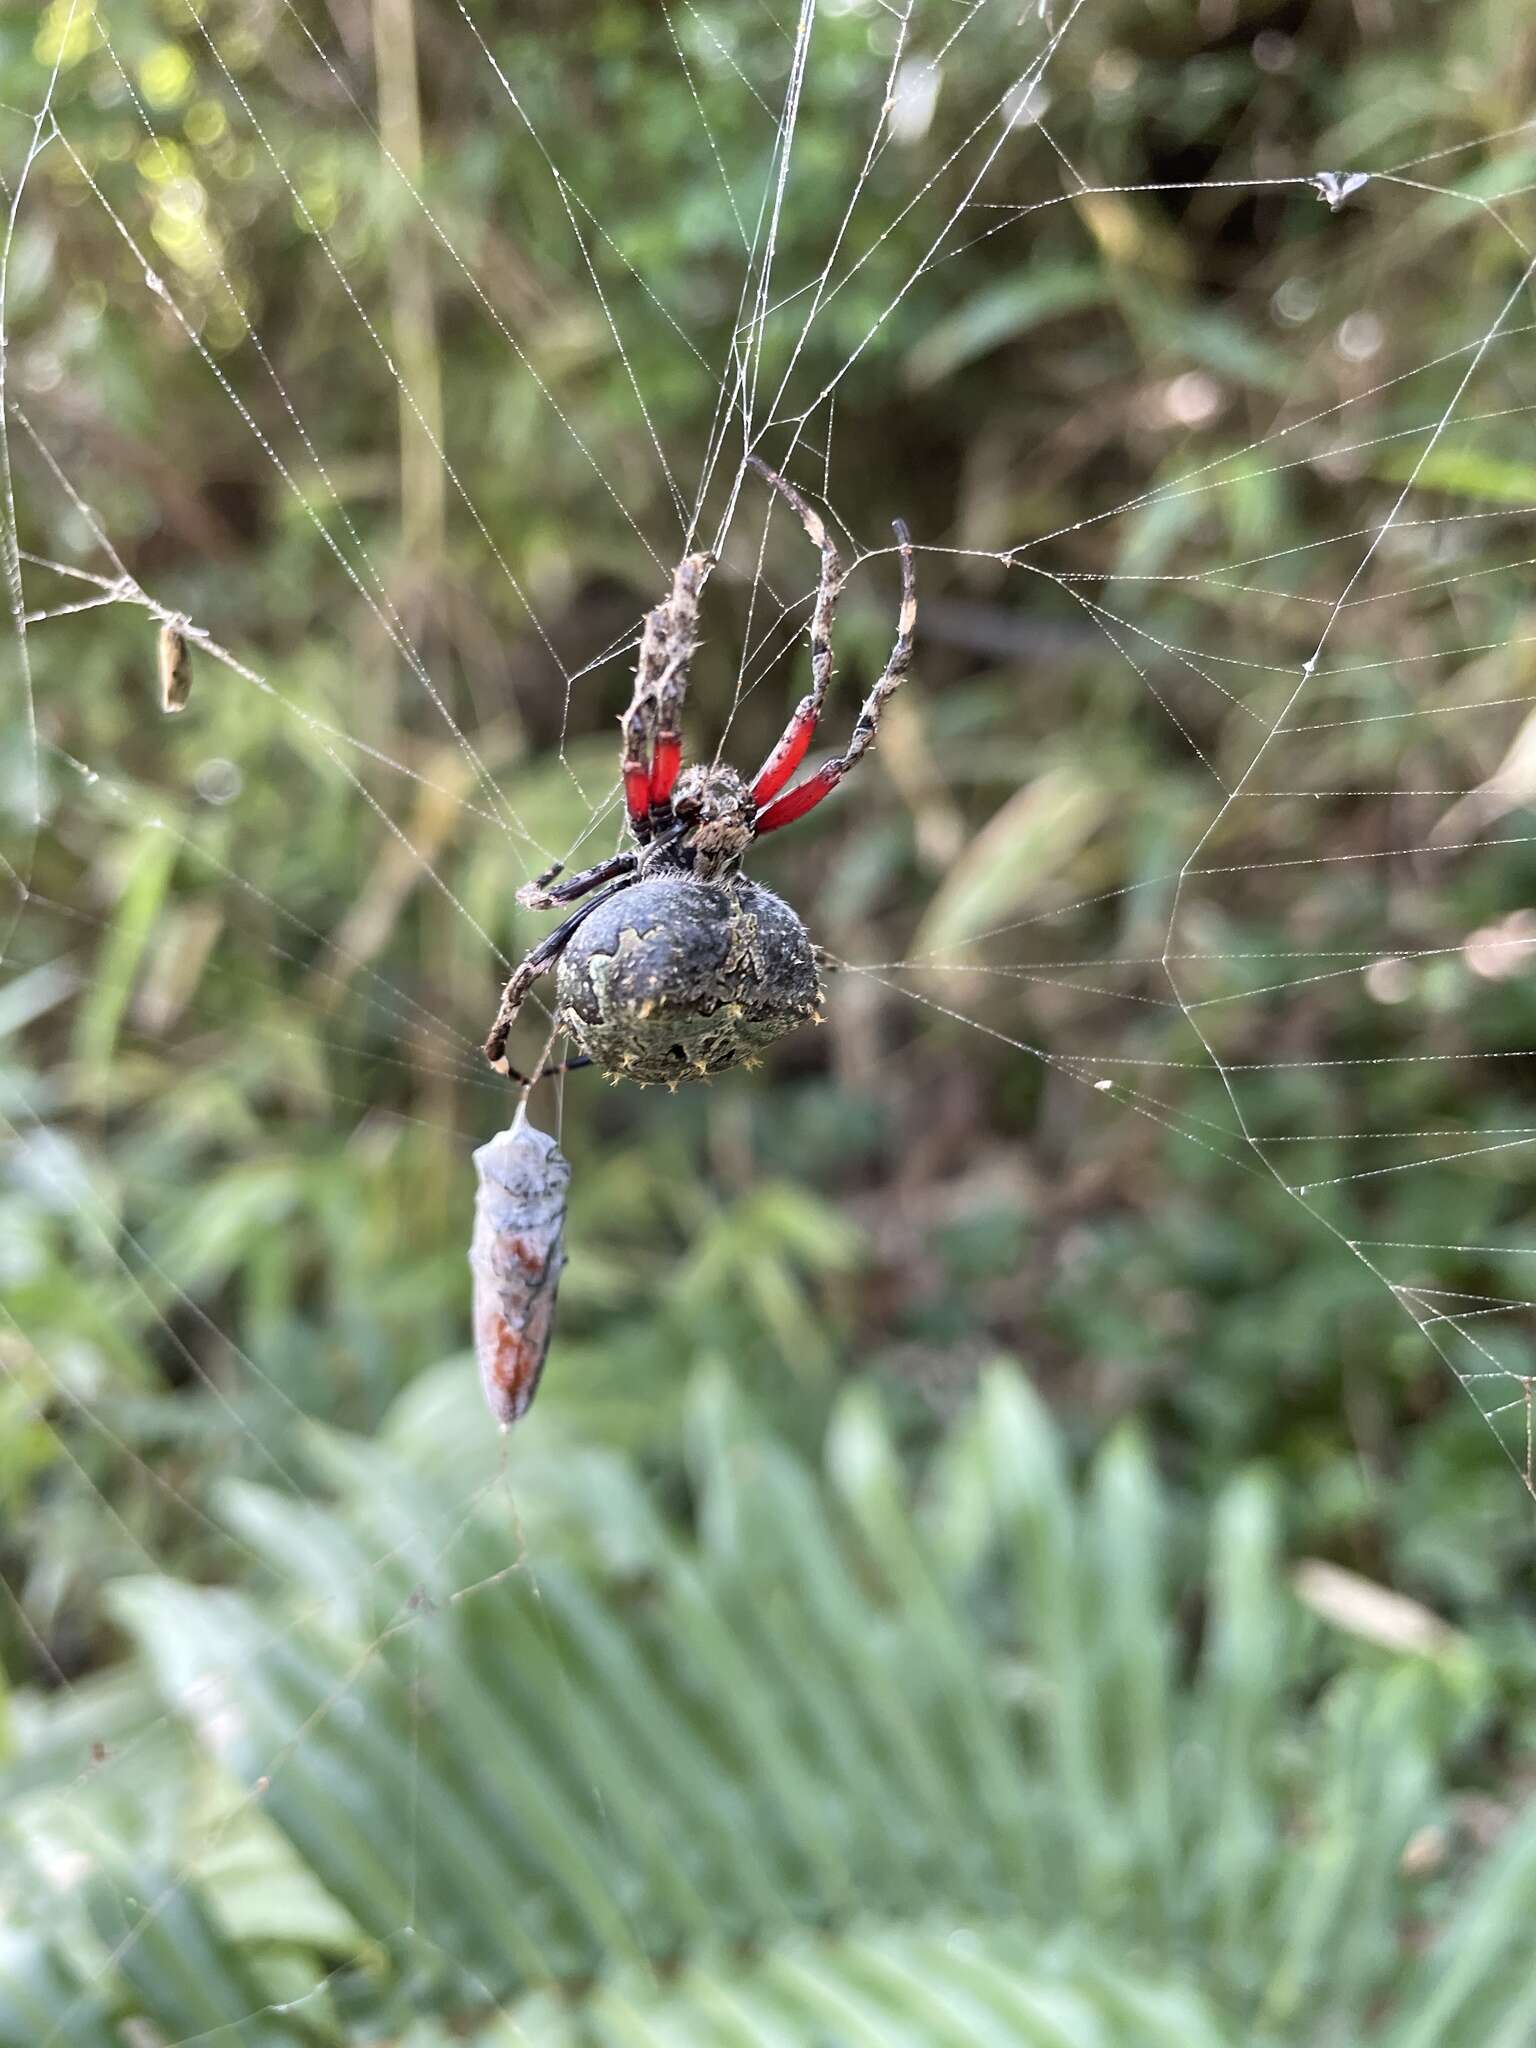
(529, 969)
(652, 751)
(806, 795)
(547, 1073)
(538, 895)
(791, 749)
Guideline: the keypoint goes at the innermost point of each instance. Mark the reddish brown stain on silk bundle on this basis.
(516, 1257)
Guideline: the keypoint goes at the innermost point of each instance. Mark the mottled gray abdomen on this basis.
(675, 977)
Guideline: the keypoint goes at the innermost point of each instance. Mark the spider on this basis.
(679, 965)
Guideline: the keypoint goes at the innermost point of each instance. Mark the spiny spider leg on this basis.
(546, 1073)
(796, 802)
(653, 725)
(538, 895)
(791, 749)
(538, 962)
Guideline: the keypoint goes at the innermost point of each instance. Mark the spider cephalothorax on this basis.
(716, 808)
(681, 965)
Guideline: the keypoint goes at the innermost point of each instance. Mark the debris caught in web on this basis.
(1336, 186)
(175, 667)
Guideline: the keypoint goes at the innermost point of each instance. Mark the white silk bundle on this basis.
(516, 1256)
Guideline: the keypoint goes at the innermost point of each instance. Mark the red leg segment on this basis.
(797, 802)
(637, 794)
(788, 754)
(665, 762)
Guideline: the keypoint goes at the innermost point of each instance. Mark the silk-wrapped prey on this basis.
(516, 1256)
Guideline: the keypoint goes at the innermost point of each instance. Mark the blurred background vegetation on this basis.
(943, 1590)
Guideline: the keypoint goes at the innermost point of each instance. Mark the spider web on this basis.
(1208, 977)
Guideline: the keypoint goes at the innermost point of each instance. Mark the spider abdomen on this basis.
(675, 978)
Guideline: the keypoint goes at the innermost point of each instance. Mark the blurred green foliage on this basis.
(850, 1761)
(239, 1016)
